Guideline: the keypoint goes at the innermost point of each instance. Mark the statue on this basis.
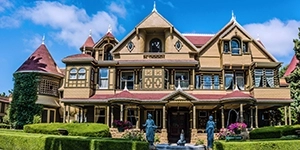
(150, 129)
(181, 141)
(210, 127)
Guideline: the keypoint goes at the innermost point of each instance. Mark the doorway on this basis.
(178, 120)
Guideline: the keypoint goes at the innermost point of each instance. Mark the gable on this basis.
(179, 95)
(154, 19)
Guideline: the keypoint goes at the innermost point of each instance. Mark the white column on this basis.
(285, 115)
(241, 113)
(112, 115)
(121, 113)
(164, 117)
(139, 118)
(256, 116)
(194, 117)
(68, 113)
(81, 115)
(290, 116)
(64, 115)
(107, 116)
(222, 116)
(251, 117)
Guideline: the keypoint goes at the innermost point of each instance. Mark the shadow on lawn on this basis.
(63, 143)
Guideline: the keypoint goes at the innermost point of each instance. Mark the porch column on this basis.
(194, 117)
(172, 80)
(121, 113)
(256, 116)
(64, 115)
(81, 115)
(164, 117)
(139, 118)
(290, 116)
(107, 115)
(241, 113)
(68, 113)
(285, 115)
(222, 115)
(125, 114)
(251, 117)
(112, 116)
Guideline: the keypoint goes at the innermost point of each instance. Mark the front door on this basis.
(178, 121)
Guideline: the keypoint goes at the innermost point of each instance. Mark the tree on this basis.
(294, 80)
(282, 70)
(23, 106)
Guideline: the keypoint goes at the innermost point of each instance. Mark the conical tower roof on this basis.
(40, 61)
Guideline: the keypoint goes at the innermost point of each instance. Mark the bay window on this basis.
(207, 82)
(73, 73)
(183, 78)
(234, 79)
(264, 78)
(127, 78)
(81, 73)
(258, 74)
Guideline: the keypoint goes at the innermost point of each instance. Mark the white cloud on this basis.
(72, 23)
(169, 3)
(4, 4)
(9, 22)
(276, 35)
(119, 9)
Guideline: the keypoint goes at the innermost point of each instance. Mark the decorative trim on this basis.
(178, 45)
(130, 46)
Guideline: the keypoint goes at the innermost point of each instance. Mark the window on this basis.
(183, 78)
(198, 81)
(100, 115)
(157, 117)
(81, 73)
(166, 85)
(216, 82)
(235, 46)
(258, 74)
(270, 78)
(107, 54)
(48, 87)
(127, 78)
(226, 47)
(264, 78)
(132, 115)
(103, 78)
(73, 73)
(232, 79)
(245, 47)
(207, 82)
(155, 45)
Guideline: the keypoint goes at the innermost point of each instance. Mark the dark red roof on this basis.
(237, 94)
(292, 66)
(88, 43)
(125, 94)
(40, 60)
(198, 40)
(109, 34)
(78, 56)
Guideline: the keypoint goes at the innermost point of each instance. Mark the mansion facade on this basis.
(180, 79)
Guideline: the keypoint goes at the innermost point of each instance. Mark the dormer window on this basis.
(81, 73)
(73, 73)
(155, 45)
(235, 46)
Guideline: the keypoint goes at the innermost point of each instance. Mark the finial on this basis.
(109, 29)
(43, 39)
(179, 86)
(232, 16)
(125, 88)
(90, 32)
(154, 7)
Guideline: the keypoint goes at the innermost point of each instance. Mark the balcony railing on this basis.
(154, 55)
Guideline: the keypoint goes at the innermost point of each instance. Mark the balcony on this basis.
(271, 93)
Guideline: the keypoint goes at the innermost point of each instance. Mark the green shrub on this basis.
(74, 129)
(5, 126)
(18, 140)
(135, 135)
(36, 119)
(273, 132)
(258, 145)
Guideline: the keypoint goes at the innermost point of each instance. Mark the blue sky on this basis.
(66, 24)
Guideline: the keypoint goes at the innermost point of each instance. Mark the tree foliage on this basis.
(23, 106)
(282, 70)
(294, 80)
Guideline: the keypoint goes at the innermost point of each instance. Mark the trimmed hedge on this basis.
(74, 129)
(258, 145)
(4, 126)
(10, 140)
(273, 132)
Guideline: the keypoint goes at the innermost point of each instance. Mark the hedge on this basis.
(273, 132)
(29, 141)
(258, 145)
(4, 126)
(74, 129)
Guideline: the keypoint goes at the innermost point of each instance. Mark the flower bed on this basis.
(233, 132)
(122, 125)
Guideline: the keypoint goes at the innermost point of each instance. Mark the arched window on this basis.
(155, 45)
(235, 46)
(81, 73)
(73, 73)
